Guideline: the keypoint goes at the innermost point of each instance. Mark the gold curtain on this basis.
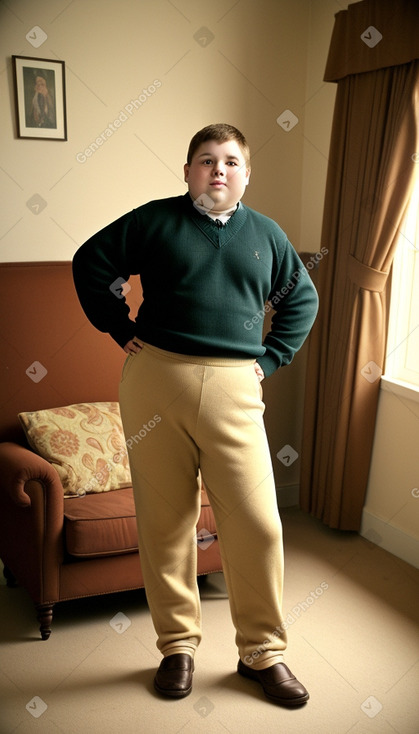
(371, 163)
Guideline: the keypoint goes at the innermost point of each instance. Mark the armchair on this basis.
(60, 548)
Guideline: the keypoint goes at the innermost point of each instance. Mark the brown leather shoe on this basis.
(279, 684)
(174, 676)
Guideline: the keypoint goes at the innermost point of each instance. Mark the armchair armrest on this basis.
(18, 465)
(31, 521)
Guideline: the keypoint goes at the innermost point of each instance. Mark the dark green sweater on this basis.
(205, 286)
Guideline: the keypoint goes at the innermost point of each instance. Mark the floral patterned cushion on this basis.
(84, 442)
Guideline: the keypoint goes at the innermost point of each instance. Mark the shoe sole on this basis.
(172, 694)
(290, 702)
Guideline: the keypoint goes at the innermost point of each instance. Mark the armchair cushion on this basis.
(106, 525)
(84, 442)
(101, 525)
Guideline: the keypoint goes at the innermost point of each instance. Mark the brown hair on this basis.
(221, 133)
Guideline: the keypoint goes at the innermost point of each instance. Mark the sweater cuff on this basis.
(268, 363)
(122, 336)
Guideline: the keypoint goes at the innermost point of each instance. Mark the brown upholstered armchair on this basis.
(60, 548)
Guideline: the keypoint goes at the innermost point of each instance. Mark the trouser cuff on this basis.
(187, 646)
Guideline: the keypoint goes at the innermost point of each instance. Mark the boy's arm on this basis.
(100, 268)
(295, 303)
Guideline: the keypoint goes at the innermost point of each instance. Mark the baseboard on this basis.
(288, 495)
(390, 538)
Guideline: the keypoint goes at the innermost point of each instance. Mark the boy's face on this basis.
(217, 171)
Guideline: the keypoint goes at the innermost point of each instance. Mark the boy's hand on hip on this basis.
(259, 371)
(133, 346)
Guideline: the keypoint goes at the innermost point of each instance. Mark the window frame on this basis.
(402, 358)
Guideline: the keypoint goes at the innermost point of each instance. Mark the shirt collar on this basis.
(222, 217)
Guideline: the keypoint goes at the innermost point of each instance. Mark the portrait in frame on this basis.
(40, 98)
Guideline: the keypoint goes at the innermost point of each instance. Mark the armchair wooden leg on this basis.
(44, 616)
(10, 579)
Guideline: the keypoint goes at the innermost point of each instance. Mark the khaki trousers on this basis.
(182, 414)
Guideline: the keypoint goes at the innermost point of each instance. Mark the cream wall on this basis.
(391, 512)
(252, 60)
(265, 57)
(252, 67)
(284, 391)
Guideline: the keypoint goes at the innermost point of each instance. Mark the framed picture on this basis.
(40, 98)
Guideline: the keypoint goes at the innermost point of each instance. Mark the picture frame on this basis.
(40, 98)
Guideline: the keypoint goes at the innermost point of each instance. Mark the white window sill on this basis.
(398, 387)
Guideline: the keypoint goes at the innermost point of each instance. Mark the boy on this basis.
(208, 265)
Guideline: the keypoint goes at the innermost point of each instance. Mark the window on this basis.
(402, 360)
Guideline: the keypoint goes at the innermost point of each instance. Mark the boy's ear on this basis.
(186, 172)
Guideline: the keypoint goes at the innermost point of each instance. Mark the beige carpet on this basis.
(352, 611)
